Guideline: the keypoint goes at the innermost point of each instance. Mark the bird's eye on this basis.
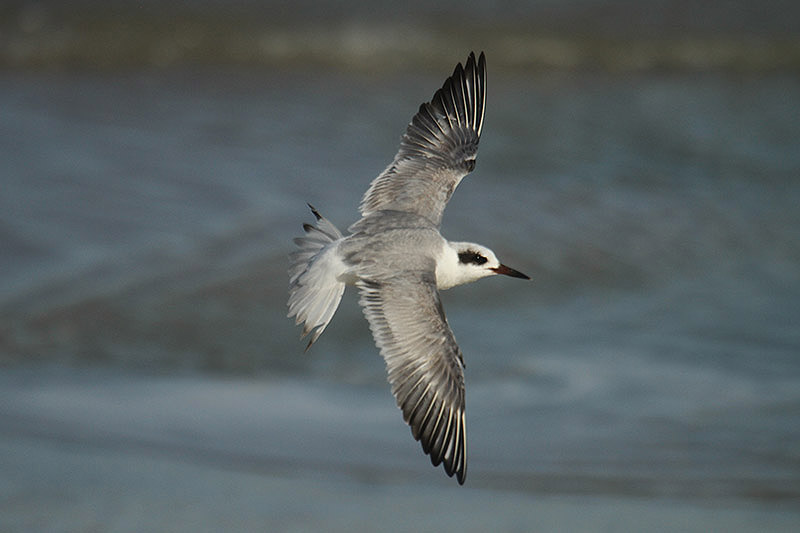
(471, 257)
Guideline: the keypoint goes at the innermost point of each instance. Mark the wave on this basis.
(118, 37)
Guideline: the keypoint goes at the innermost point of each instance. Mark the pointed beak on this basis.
(502, 269)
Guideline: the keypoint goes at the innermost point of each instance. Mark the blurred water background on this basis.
(640, 160)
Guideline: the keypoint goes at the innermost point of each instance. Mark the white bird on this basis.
(397, 258)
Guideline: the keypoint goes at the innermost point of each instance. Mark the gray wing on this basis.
(437, 150)
(424, 363)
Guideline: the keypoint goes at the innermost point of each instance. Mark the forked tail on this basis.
(314, 286)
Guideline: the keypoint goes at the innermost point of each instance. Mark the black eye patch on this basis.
(471, 257)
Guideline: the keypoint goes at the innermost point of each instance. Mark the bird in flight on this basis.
(399, 261)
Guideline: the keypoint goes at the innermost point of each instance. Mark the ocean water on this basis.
(145, 219)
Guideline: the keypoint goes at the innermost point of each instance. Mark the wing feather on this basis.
(437, 150)
(423, 361)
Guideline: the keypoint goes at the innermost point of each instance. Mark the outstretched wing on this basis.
(423, 360)
(438, 148)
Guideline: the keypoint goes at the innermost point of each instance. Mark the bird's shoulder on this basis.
(391, 220)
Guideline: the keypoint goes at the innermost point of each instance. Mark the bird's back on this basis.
(387, 242)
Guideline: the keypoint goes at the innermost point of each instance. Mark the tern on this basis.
(399, 261)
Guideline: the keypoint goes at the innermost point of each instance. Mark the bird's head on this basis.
(465, 262)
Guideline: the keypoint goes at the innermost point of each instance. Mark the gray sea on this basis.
(647, 378)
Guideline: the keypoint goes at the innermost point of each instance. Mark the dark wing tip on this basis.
(461, 474)
(471, 75)
(479, 66)
(439, 428)
(450, 124)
